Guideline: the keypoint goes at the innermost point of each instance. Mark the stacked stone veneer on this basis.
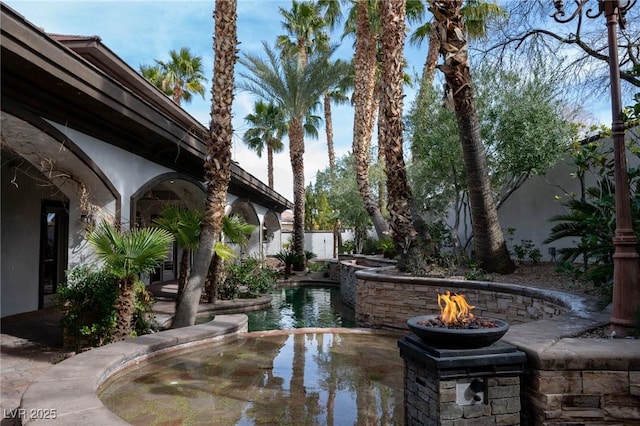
(432, 401)
(567, 381)
(583, 382)
(386, 301)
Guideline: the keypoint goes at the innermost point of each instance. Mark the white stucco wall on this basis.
(20, 240)
(318, 242)
(126, 171)
(529, 210)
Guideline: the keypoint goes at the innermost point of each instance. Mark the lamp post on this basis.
(626, 261)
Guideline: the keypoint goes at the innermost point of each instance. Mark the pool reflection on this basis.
(300, 307)
(279, 378)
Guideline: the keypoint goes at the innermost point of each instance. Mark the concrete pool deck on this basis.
(31, 343)
(70, 387)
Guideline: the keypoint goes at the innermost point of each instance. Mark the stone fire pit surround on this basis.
(566, 379)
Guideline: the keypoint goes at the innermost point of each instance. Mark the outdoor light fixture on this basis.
(626, 261)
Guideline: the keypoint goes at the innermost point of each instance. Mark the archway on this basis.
(271, 234)
(50, 191)
(244, 209)
(148, 202)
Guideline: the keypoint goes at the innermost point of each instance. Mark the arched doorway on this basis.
(50, 191)
(148, 202)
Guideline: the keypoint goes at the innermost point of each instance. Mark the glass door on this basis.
(54, 225)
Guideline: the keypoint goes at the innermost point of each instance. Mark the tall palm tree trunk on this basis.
(213, 278)
(431, 62)
(490, 247)
(398, 190)
(270, 164)
(363, 95)
(296, 154)
(328, 122)
(218, 161)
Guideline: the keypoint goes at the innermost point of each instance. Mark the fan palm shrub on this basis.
(127, 255)
(237, 231)
(184, 225)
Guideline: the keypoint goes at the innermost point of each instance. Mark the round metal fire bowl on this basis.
(454, 338)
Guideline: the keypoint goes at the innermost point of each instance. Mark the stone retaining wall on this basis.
(387, 301)
(568, 381)
(348, 266)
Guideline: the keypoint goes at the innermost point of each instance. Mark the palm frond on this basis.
(223, 251)
(129, 253)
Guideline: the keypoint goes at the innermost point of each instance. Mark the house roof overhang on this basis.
(78, 81)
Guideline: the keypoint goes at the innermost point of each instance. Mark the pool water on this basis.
(294, 377)
(300, 307)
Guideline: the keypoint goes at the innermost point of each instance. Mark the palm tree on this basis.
(304, 23)
(217, 165)
(476, 14)
(268, 126)
(296, 90)
(184, 225)
(391, 129)
(338, 95)
(236, 231)
(153, 73)
(490, 247)
(364, 20)
(181, 77)
(127, 255)
(365, 70)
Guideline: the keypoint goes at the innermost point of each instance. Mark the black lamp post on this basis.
(626, 261)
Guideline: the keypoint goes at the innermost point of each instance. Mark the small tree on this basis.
(184, 225)
(127, 255)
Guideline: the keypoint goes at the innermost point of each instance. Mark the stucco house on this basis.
(85, 137)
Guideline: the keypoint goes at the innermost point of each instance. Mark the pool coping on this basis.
(549, 344)
(74, 400)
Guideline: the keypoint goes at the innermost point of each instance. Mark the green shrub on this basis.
(317, 266)
(590, 216)
(250, 273)
(289, 258)
(228, 290)
(347, 247)
(526, 250)
(87, 302)
(370, 246)
(387, 247)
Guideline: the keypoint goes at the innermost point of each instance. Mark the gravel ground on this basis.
(546, 275)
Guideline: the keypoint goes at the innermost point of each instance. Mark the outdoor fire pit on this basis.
(456, 326)
(457, 370)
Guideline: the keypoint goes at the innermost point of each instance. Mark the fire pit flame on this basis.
(454, 309)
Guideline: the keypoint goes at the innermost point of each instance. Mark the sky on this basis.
(141, 31)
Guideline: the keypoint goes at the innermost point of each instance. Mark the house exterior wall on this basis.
(127, 171)
(20, 240)
(21, 206)
(530, 208)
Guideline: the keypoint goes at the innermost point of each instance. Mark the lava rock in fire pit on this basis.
(472, 323)
(480, 333)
